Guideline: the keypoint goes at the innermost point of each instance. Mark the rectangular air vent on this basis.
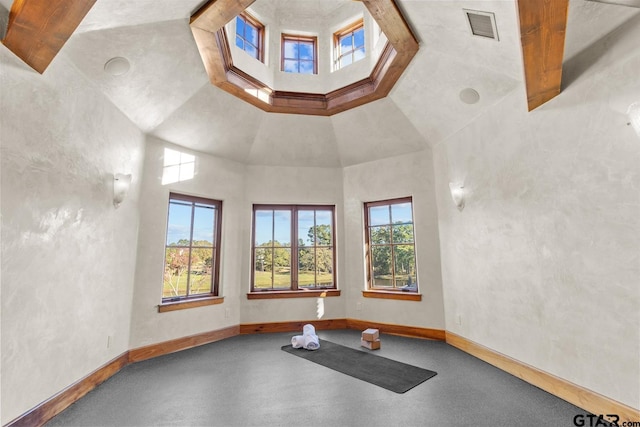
(482, 24)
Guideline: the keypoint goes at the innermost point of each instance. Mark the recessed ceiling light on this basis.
(117, 66)
(469, 96)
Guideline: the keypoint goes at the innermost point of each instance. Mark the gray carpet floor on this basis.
(248, 380)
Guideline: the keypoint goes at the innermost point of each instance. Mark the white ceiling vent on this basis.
(482, 24)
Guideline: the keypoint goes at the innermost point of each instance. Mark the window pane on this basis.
(403, 233)
(175, 272)
(323, 228)
(200, 277)
(239, 42)
(345, 60)
(358, 54)
(252, 34)
(282, 228)
(282, 268)
(358, 38)
(305, 51)
(306, 67)
(405, 265)
(179, 224)
(324, 267)
(379, 235)
(203, 220)
(263, 272)
(381, 265)
(290, 66)
(251, 50)
(263, 227)
(306, 267)
(379, 215)
(290, 49)
(401, 213)
(240, 26)
(306, 232)
(346, 43)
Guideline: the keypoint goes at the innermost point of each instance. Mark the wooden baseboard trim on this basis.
(51, 407)
(405, 331)
(583, 398)
(263, 328)
(385, 328)
(171, 346)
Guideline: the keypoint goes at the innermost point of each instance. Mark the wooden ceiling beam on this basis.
(38, 29)
(216, 13)
(543, 25)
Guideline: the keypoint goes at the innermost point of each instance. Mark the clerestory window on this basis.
(391, 258)
(349, 45)
(293, 248)
(250, 36)
(299, 54)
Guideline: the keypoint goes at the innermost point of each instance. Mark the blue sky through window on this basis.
(179, 224)
(247, 36)
(273, 226)
(299, 56)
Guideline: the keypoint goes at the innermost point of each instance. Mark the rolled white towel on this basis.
(308, 329)
(297, 341)
(311, 342)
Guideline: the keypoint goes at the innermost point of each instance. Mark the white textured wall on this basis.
(216, 179)
(543, 264)
(406, 175)
(292, 185)
(68, 256)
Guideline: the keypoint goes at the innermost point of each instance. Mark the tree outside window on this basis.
(391, 260)
(293, 247)
(192, 248)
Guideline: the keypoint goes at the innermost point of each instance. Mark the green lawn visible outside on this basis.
(262, 281)
(283, 280)
(200, 283)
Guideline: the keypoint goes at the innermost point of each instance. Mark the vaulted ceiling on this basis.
(167, 92)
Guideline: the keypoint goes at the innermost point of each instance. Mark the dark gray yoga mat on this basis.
(390, 374)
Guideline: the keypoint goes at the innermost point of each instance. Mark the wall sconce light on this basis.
(634, 116)
(457, 194)
(121, 184)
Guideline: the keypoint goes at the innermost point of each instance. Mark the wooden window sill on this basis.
(407, 296)
(320, 293)
(192, 303)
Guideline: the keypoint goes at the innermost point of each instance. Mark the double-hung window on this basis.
(391, 259)
(250, 36)
(299, 54)
(293, 248)
(192, 248)
(349, 45)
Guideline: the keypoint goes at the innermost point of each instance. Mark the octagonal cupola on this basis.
(304, 56)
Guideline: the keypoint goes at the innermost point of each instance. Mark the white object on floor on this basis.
(297, 341)
(308, 340)
(308, 329)
(311, 342)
